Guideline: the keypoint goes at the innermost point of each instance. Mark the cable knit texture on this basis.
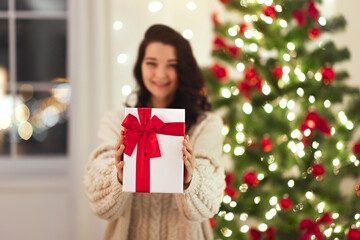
(156, 216)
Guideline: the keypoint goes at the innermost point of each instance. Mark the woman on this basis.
(168, 77)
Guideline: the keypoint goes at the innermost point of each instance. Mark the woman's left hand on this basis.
(189, 160)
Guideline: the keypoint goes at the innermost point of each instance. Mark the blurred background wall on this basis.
(41, 192)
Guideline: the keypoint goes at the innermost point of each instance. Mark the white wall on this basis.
(38, 207)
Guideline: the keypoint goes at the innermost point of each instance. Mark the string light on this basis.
(225, 130)
(257, 200)
(240, 137)
(283, 23)
(248, 34)
(317, 154)
(226, 93)
(335, 215)
(227, 199)
(300, 92)
(260, 176)
(235, 90)
(253, 47)
(352, 158)
(283, 103)
(233, 204)
(244, 228)
(290, 104)
(227, 148)
(339, 145)
(188, 34)
(285, 78)
(309, 195)
(315, 144)
(295, 133)
(301, 77)
(117, 25)
(272, 167)
(262, 227)
(337, 229)
(327, 103)
(126, 90)
(247, 18)
(191, 6)
(321, 207)
(291, 116)
(239, 151)
(286, 57)
(273, 200)
(232, 31)
(239, 127)
(349, 125)
(311, 99)
(268, 108)
(243, 216)
(243, 187)
(122, 58)
(318, 76)
(286, 69)
(229, 216)
(322, 21)
(278, 8)
(266, 89)
(291, 46)
(247, 108)
(226, 232)
(240, 67)
(291, 183)
(328, 232)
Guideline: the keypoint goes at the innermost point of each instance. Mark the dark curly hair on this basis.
(191, 81)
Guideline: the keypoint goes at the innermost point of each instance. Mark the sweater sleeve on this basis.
(100, 176)
(203, 197)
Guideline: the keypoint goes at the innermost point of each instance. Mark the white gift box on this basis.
(166, 171)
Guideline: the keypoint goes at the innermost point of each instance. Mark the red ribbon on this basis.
(312, 228)
(144, 135)
(256, 234)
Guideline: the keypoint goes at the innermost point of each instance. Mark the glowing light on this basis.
(300, 92)
(291, 183)
(188, 34)
(278, 8)
(286, 57)
(311, 99)
(339, 145)
(357, 216)
(233, 204)
(283, 23)
(291, 116)
(301, 77)
(234, 90)
(239, 42)
(335, 216)
(291, 46)
(122, 58)
(239, 151)
(295, 133)
(268, 108)
(349, 125)
(226, 232)
(232, 31)
(307, 132)
(309, 195)
(268, 20)
(155, 6)
(247, 108)
(240, 67)
(317, 154)
(266, 89)
(226, 93)
(227, 199)
(50, 116)
(243, 216)
(315, 144)
(283, 103)
(286, 70)
(240, 137)
(126, 90)
(62, 93)
(247, 18)
(117, 25)
(257, 200)
(260, 176)
(227, 148)
(244, 228)
(273, 200)
(322, 21)
(25, 130)
(272, 167)
(22, 113)
(285, 78)
(352, 158)
(336, 162)
(290, 104)
(191, 6)
(239, 127)
(337, 229)
(262, 227)
(342, 116)
(328, 232)
(225, 130)
(253, 47)
(248, 34)
(318, 77)
(229, 216)
(292, 146)
(321, 207)
(243, 187)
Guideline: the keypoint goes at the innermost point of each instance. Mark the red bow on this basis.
(314, 121)
(256, 234)
(144, 135)
(313, 227)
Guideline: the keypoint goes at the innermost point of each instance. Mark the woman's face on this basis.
(159, 73)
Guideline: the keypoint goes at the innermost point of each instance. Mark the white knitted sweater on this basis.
(155, 216)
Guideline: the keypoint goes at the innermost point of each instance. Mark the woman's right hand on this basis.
(119, 159)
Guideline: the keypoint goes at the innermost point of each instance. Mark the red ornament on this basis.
(250, 178)
(219, 71)
(243, 28)
(228, 189)
(299, 17)
(314, 121)
(318, 170)
(285, 203)
(270, 11)
(314, 33)
(312, 228)
(312, 11)
(256, 234)
(218, 43)
(250, 73)
(357, 189)
(356, 148)
(266, 144)
(353, 234)
(328, 75)
(233, 50)
(277, 72)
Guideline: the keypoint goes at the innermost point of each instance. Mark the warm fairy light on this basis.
(268, 2)
(318, 76)
(225, 130)
(227, 199)
(307, 132)
(349, 125)
(322, 21)
(240, 137)
(232, 204)
(229, 216)
(253, 47)
(357, 163)
(327, 103)
(352, 158)
(239, 127)
(339, 145)
(335, 215)
(240, 67)
(328, 232)
(188, 34)
(260, 176)
(332, 131)
(286, 57)
(239, 151)
(126, 90)
(257, 200)
(321, 207)
(301, 77)
(244, 216)
(226, 232)
(300, 92)
(221, 213)
(25, 130)
(191, 6)
(243, 187)
(292, 146)
(357, 216)
(232, 31)
(295, 133)
(291, 183)
(278, 8)
(317, 154)
(337, 229)
(268, 108)
(283, 103)
(247, 18)
(244, 228)
(291, 116)
(291, 46)
(155, 6)
(267, 19)
(248, 34)
(283, 23)
(286, 69)
(22, 113)
(235, 91)
(311, 99)
(272, 167)
(262, 227)
(290, 104)
(309, 195)
(285, 78)
(342, 116)
(227, 148)
(315, 144)
(117, 25)
(226, 93)
(239, 42)
(273, 200)
(266, 89)
(247, 108)
(254, 18)
(270, 214)
(122, 58)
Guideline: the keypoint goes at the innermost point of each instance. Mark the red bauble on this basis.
(299, 17)
(277, 72)
(314, 33)
(250, 178)
(270, 11)
(243, 28)
(219, 71)
(356, 148)
(233, 50)
(328, 75)
(212, 222)
(266, 144)
(353, 234)
(218, 43)
(357, 189)
(250, 73)
(229, 178)
(285, 203)
(318, 170)
(312, 11)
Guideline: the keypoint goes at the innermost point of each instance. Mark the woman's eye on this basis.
(173, 65)
(151, 63)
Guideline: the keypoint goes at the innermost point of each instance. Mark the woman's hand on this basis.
(119, 160)
(189, 160)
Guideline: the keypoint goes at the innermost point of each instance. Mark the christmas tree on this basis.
(290, 123)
